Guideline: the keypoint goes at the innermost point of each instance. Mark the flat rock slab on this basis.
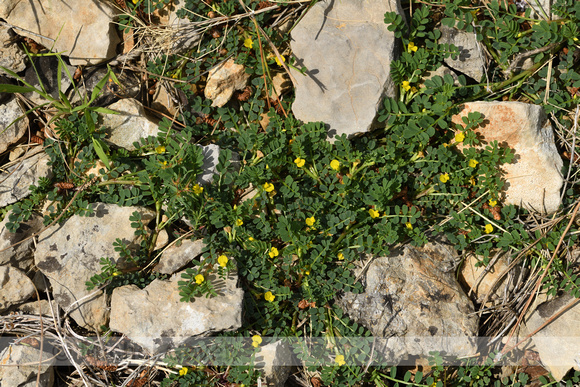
(156, 319)
(15, 287)
(11, 130)
(20, 256)
(69, 255)
(16, 180)
(413, 304)
(534, 178)
(470, 59)
(558, 343)
(347, 49)
(82, 30)
(21, 366)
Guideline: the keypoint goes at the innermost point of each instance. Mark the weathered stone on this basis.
(20, 367)
(15, 287)
(175, 258)
(481, 279)
(45, 70)
(211, 155)
(347, 49)
(16, 180)
(20, 256)
(82, 30)
(223, 80)
(163, 102)
(11, 131)
(470, 60)
(414, 304)
(558, 343)
(280, 84)
(42, 307)
(274, 361)
(130, 125)
(12, 56)
(534, 178)
(69, 256)
(157, 320)
(162, 239)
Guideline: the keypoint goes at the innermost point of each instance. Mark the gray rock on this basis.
(88, 37)
(211, 154)
(175, 258)
(42, 307)
(157, 320)
(69, 254)
(130, 125)
(274, 361)
(16, 180)
(347, 49)
(414, 304)
(15, 287)
(10, 131)
(45, 70)
(470, 60)
(20, 256)
(12, 56)
(534, 178)
(129, 86)
(21, 367)
(558, 343)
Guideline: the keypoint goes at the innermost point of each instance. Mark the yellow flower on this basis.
(160, 149)
(488, 228)
(278, 61)
(183, 370)
(239, 222)
(406, 86)
(163, 163)
(199, 279)
(223, 260)
(307, 271)
(339, 359)
(256, 341)
(444, 177)
(473, 163)
(472, 181)
(340, 256)
(374, 213)
(273, 252)
(299, 162)
(197, 189)
(409, 225)
(251, 239)
(135, 1)
(492, 202)
(269, 296)
(268, 187)
(335, 164)
(412, 47)
(310, 221)
(459, 137)
(249, 43)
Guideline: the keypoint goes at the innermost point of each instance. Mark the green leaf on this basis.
(5, 88)
(100, 147)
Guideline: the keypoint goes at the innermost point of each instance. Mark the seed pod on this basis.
(63, 185)
(212, 14)
(215, 34)
(37, 140)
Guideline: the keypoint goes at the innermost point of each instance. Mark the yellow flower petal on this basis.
(160, 149)
(278, 61)
(256, 340)
(183, 371)
(339, 360)
(199, 279)
(335, 164)
(340, 256)
(374, 213)
(409, 225)
(223, 260)
(459, 137)
(488, 228)
(492, 202)
(473, 163)
(310, 221)
(273, 252)
(197, 189)
(268, 296)
(268, 187)
(249, 43)
(444, 177)
(239, 222)
(299, 162)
